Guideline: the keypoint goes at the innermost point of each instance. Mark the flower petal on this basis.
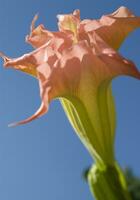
(113, 28)
(28, 63)
(25, 63)
(79, 65)
(66, 68)
(43, 73)
(41, 111)
(40, 36)
(111, 61)
(70, 23)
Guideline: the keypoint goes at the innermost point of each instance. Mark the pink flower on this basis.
(79, 57)
(76, 65)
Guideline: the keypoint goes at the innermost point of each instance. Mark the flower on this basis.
(77, 64)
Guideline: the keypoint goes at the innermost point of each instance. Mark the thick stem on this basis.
(108, 183)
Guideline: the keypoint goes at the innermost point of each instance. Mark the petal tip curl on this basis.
(32, 27)
(40, 112)
(122, 12)
(5, 58)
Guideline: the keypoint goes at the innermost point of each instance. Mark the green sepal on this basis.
(108, 183)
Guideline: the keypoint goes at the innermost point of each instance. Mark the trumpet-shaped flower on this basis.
(77, 64)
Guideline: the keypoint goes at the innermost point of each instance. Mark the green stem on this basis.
(108, 183)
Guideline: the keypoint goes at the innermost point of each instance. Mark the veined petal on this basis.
(23, 63)
(113, 28)
(40, 36)
(70, 23)
(111, 61)
(77, 69)
(28, 63)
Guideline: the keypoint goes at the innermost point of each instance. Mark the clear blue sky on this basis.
(45, 159)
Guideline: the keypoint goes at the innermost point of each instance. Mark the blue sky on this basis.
(45, 159)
